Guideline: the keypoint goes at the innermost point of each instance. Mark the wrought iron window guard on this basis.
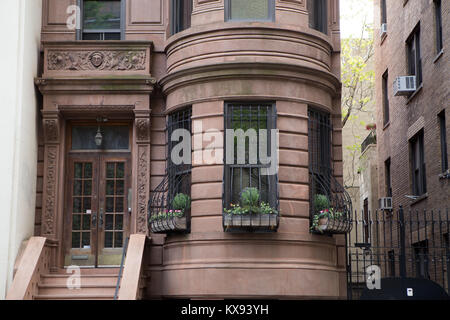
(162, 216)
(338, 218)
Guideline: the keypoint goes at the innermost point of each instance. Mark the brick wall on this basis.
(406, 113)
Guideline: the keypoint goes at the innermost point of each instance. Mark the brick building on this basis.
(413, 130)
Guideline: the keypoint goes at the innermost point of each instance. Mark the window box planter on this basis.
(250, 215)
(329, 219)
(170, 224)
(257, 220)
(333, 226)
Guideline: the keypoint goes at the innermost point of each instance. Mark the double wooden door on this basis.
(97, 213)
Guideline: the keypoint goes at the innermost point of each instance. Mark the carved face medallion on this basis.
(96, 59)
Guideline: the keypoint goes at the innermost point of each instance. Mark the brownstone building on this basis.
(118, 79)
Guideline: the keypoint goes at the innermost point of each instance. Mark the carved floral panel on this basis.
(119, 60)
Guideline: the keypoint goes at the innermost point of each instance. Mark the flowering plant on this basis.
(329, 213)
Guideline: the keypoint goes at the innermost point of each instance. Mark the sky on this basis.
(353, 13)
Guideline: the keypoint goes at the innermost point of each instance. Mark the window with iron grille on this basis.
(181, 11)
(318, 15)
(237, 176)
(414, 55)
(320, 142)
(102, 19)
(438, 16)
(250, 10)
(179, 174)
(443, 134)
(418, 165)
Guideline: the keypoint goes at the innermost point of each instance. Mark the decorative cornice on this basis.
(100, 60)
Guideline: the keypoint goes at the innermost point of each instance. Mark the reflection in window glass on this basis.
(249, 10)
(114, 138)
(101, 15)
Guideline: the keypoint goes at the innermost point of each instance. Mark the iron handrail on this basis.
(119, 277)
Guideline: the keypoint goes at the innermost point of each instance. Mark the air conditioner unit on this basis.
(386, 203)
(404, 86)
(383, 30)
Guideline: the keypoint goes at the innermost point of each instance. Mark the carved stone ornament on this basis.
(142, 189)
(97, 59)
(118, 60)
(51, 130)
(143, 129)
(50, 191)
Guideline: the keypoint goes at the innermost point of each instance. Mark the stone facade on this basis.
(409, 115)
(204, 66)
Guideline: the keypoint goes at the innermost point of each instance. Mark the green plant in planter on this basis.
(181, 202)
(250, 199)
(323, 209)
(321, 202)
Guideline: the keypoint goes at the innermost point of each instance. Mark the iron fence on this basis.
(403, 244)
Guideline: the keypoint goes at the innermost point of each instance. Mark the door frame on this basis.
(100, 157)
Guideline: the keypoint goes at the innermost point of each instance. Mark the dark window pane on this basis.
(76, 238)
(86, 222)
(78, 170)
(120, 190)
(86, 240)
(77, 188)
(108, 239)
(88, 170)
(110, 187)
(93, 36)
(119, 205)
(118, 240)
(100, 15)
(112, 36)
(119, 222)
(109, 204)
(76, 205)
(110, 167)
(86, 204)
(109, 225)
(120, 173)
(76, 222)
(114, 138)
(87, 190)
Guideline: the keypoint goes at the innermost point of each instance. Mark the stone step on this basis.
(75, 297)
(56, 290)
(86, 280)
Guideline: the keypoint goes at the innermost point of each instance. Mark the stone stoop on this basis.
(96, 284)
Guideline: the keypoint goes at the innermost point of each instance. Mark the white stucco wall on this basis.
(20, 22)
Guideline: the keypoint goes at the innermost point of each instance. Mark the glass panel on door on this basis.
(114, 210)
(82, 190)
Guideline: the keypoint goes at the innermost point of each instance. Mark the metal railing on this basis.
(370, 139)
(119, 277)
(403, 244)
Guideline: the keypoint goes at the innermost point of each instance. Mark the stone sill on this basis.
(420, 199)
(419, 89)
(439, 55)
